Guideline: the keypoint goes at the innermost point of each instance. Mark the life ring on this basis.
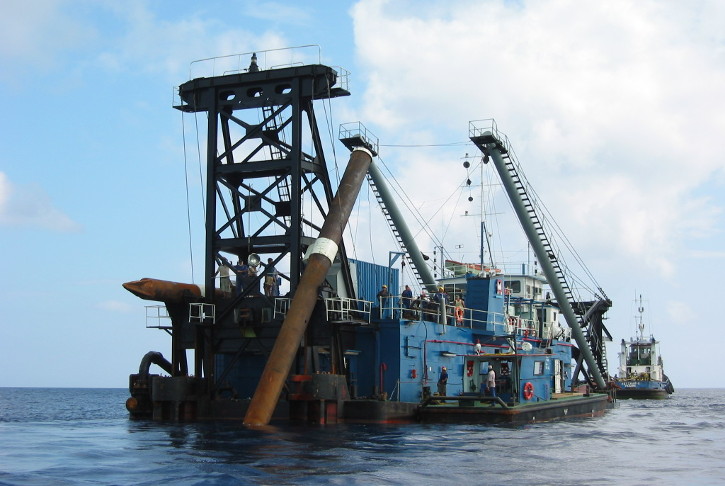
(528, 390)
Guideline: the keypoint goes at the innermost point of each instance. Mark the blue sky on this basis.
(616, 111)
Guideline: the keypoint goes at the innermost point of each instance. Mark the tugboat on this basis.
(332, 348)
(641, 372)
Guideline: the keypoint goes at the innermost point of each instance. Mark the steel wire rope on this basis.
(198, 152)
(452, 144)
(535, 200)
(370, 226)
(331, 132)
(409, 205)
(353, 234)
(487, 201)
(490, 202)
(511, 207)
(450, 220)
(424, 225)
(408, 202)
(556, 231)
(398, 189)
(445, 252)
(188, 205)
(419, 218)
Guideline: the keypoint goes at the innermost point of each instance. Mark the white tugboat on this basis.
(641, 373)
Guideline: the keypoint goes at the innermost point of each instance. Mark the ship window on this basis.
(514, 285)
(528, 290)
(538, 367)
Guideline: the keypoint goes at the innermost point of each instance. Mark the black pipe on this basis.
(154, 357)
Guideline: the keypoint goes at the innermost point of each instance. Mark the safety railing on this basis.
(266, 59)
(342, 309)
(413, 309)
(157, 317)
(281, 307)
(200, 312)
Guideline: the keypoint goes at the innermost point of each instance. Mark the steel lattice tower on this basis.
(257, 170)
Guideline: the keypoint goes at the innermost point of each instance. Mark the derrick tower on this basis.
(264, 157)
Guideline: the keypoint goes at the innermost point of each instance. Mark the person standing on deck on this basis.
(458, 310)
(442, 382)
(270, 279)
(440, 296)
(384, 291)
(383, 301)
(242, 271)
(407, 297)
(225, 283)
(491, 381)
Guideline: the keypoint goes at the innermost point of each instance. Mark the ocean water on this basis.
(63, 436)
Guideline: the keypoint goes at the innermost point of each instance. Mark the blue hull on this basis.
(644, 389)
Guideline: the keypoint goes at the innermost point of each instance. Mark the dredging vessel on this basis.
(641, 371)
(334, 349)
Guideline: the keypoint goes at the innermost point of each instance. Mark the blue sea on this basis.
(69, 436)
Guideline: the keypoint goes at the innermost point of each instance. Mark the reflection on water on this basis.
(71, 436)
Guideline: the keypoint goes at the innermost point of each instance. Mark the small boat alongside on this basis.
(641, 371)
(488, 410)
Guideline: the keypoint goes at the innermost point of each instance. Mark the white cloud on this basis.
(616, 110)
(33, 34)
(158, 45)
(116, 306)
(679, 312)
(30, 206)
(277, 12)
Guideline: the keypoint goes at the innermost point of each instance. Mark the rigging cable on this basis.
(452, 144)
(331, 132)
(198, 152)
(186, 183)
(555, 230)
(419, 217)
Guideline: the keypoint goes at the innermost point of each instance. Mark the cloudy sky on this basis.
(616, 111)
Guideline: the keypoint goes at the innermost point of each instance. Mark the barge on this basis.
(320, 342)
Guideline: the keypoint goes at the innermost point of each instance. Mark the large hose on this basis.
(154, 357)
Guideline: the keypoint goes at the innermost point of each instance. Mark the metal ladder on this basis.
(604, 364)
(271, 125)
(401, 243)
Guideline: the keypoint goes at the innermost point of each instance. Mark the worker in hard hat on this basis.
(441, 296)
(384, 301)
